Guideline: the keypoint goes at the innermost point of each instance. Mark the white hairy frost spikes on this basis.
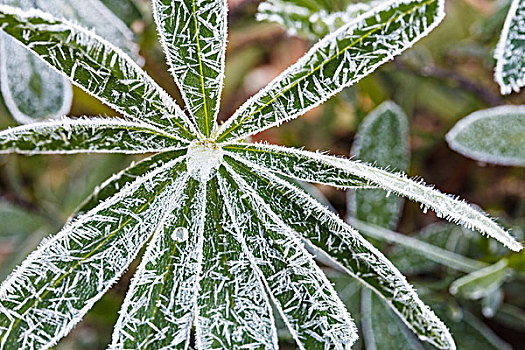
(204, 157)
(226, 235)
(510, 65)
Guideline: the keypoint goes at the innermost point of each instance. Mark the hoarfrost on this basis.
(203, 159)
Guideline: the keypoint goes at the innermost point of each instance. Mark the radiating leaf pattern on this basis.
(510, 66)
(335, 62)
(193, 34)
(226, 232)
(495, 135)
(382, 140)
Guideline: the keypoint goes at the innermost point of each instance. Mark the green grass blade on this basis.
(61, 280)
(339, 242)
(32, 91)
(96, 66)
(303, 165)
(510, 67)
(382, 140)
(233, 309)
(193, 34)
(337, 61)
(87, 135)
(310, 307)
(160, 305)
(495, 135)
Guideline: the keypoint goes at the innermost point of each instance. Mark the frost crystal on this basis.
(180, 234)
(203, 158)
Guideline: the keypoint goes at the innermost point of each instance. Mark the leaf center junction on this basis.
(203, 158)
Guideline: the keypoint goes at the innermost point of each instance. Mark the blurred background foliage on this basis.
(441, 79)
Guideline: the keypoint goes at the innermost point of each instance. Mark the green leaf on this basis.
(306, 300)
(511, 316)
(481, 283)
(96, 66)
(303, 165)
(193, 34)
(337, 61)
(89, 135)
(510, 67)
(233, 309)
(491, 303)
(423, 250)
(61, 280)
(495, 135)
(31, 90)
(382, 140)
(381, 326)
(160, 304)
(338, 242)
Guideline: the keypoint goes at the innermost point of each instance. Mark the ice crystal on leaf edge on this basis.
(226, 233)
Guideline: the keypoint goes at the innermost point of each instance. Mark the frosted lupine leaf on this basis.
(59, 282)
(382, 140)
(233, 309)
(96, 66)
(312, 22)
(510, 66)
(480, 283)
(336, 240)
(381, 326)
(306, 300)
(304, 165)
(31, 90)
(495, 135)
(423, 250)
(337, 61)
(193, 34)
(93, 135)
(126, 10)
(160, 304)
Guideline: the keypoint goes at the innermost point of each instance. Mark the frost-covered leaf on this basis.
(59, 282)
(306, 18)
(233, 309)
(337, 61)
(382, 140)
(193, 34)
(93, 135)
(483, 282)
(96, 66)
(510, 66)
(303, 165)
(381, 326)
(31, 90)
(331, 237)
(306, 300)
(422, 249)
(160, 305)
(495, 135)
